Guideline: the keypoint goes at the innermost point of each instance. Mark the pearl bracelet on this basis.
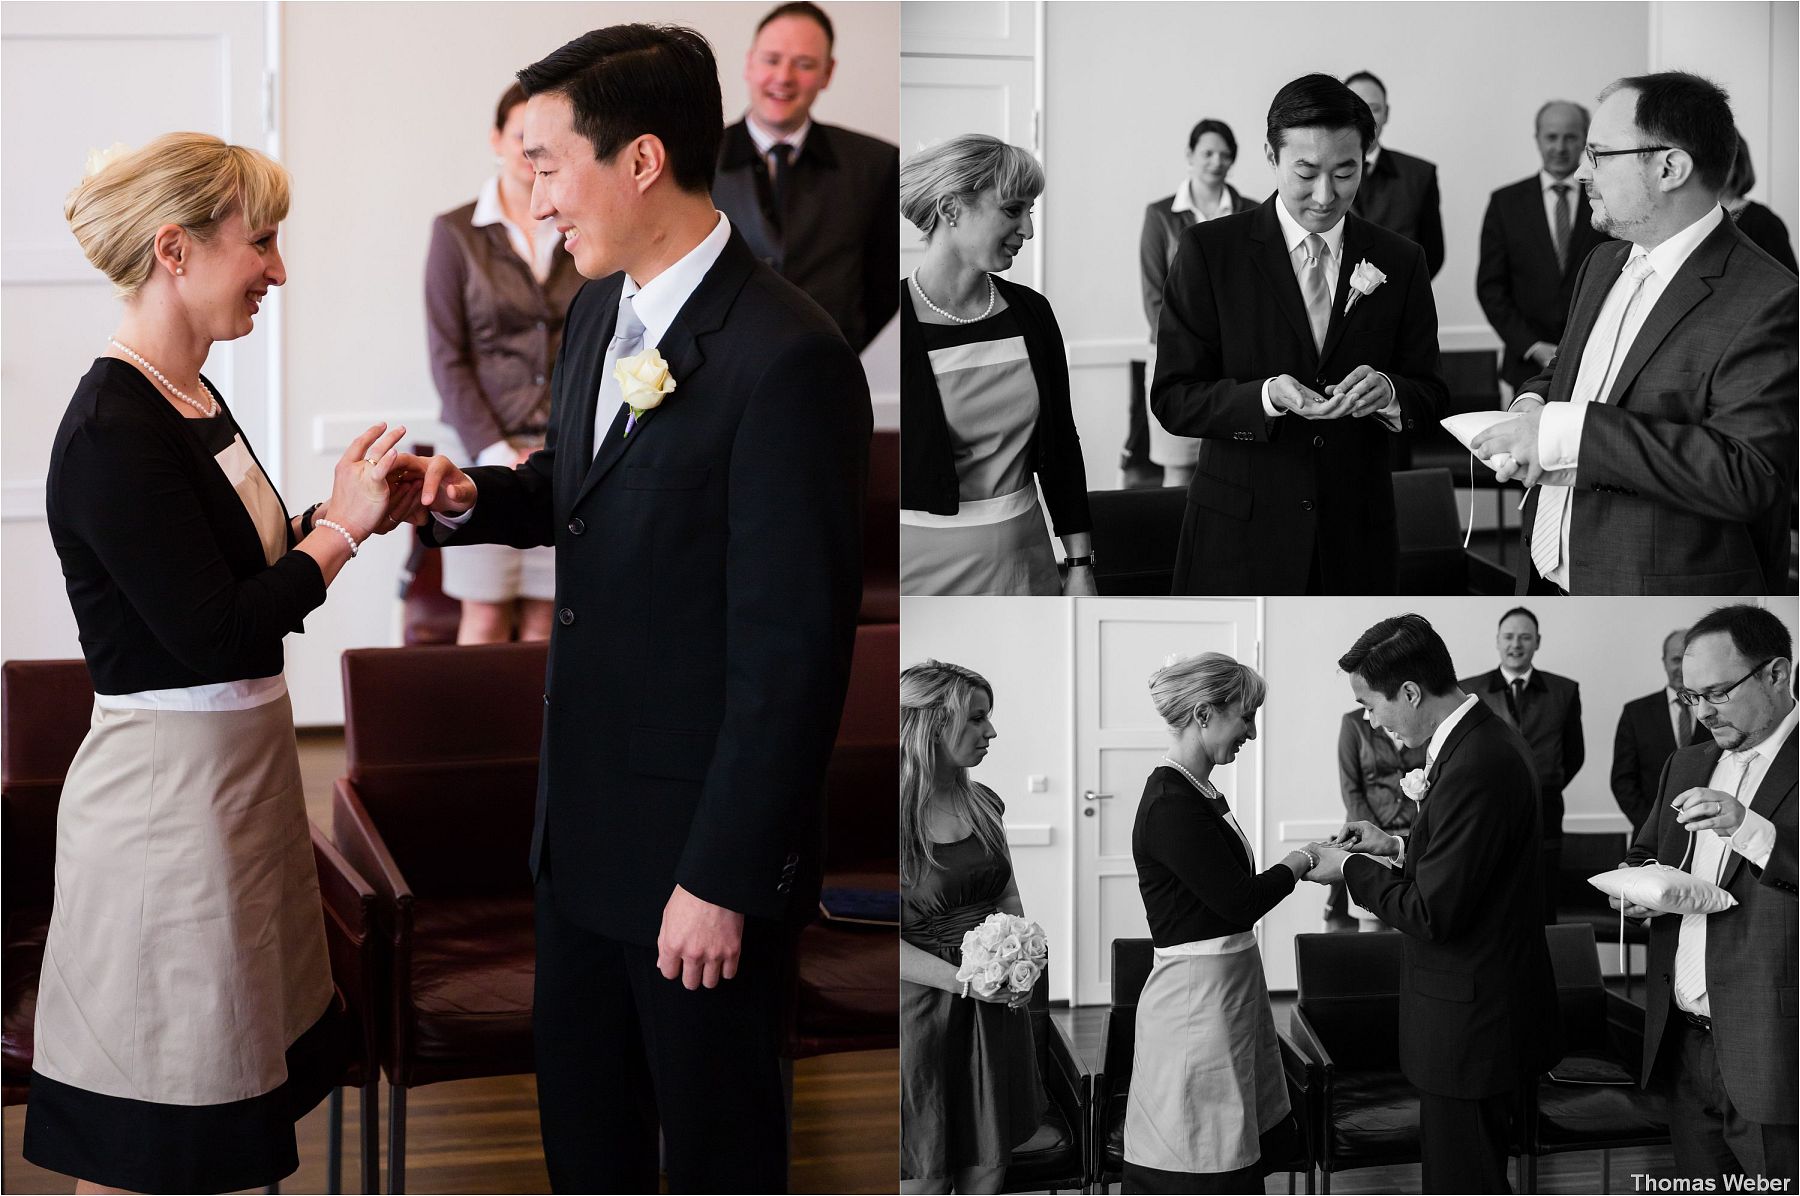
(341, 530)
(1312, 861)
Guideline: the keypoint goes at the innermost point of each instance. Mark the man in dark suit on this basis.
(1664, 435)
(1650, 729)
(1294, 378)
(1535, 236)
(1399, 192)
(1545, 710)
(817, 202)
(708, 573)
(1478, 1012)
(1719, 1029)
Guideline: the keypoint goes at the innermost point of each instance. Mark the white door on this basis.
(80, 77)
(968, 68)
(1119, 739)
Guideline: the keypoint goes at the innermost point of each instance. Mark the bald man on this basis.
(1533, 239)
(1650, 729)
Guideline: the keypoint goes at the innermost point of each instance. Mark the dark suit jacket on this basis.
(1523, 291)
(1550, 723)
(1687, 468)
(836, 241)
(1750, 960)
(708, 570)
(1266, 492)
(1401, 195)
(1643, 744)
(1477, 1001)
(1157, 243)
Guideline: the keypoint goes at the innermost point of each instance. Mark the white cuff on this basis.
(1520, 398)
(1269, 408)
(1390, 414)
(1754, 838)
(1559, 435)
(498, 453)
(454, 520)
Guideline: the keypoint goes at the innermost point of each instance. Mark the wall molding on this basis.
(1029, 835)
(22, 502)
(1105, 352)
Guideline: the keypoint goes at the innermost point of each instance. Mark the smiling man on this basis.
(1546, 711)
(708, 571)
(1293, 379)
(1719, 1030)
(1478, 1013)
(817, 202)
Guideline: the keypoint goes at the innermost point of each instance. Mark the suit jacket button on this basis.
(792, 859)
(785, 886)
(1306, 504)
(565, 616)
(1409, 424)
(546, 701)
(1318, 442)
(576, 526)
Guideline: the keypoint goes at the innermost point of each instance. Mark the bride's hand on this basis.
(360, 491)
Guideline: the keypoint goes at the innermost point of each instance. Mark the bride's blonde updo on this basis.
(1185, 683)
(193, 180)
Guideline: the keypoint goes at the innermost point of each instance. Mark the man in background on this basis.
(1650, 729)
(1535, 236)
(817, 202)
(1546, 711)
(1399, 192)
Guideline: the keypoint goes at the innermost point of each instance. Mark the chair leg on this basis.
(1325, 1182)
(370, 1117)
(1290, 1183)
(1309, 1182)
(334, 1142)
(396, 1138)
(1606, 1171)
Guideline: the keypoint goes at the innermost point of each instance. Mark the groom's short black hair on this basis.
(1397, 650)
(627, 80)
(1318, 102)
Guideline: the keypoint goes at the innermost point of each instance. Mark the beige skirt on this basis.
(186, 950)
(1206, 1078)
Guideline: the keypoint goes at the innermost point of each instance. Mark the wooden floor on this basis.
(482, 1135)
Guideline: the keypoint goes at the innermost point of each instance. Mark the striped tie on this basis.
(1710, 856)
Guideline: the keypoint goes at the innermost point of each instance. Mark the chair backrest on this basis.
(864, 772)
(1430, 535)
(452, 786)
(1131, 963)
(351, 940)
(1349, 990)
(45, 709)
(1580, 992)
(1585, 855)
(1472, 377)
(1140, 530)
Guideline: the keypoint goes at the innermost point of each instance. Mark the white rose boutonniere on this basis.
(1363, 280)
(644, 382)
(1414, 784)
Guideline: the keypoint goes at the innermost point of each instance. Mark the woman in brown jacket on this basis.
(497, 284)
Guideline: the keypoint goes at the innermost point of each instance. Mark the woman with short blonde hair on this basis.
(985, 415)
(184, 1011)
(1208, 1107)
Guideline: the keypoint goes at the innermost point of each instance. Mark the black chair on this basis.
(1135, 536)
(1431, 550)
(1473, 379)
(1060, 1154)
(1580, 903)
(1347, 1024)
(1591, 1099)
(1131, 963)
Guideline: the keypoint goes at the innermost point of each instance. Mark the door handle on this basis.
(1090, 795)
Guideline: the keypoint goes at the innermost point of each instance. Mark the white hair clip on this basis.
(98, 160)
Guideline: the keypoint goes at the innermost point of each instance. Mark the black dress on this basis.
(969, 1089)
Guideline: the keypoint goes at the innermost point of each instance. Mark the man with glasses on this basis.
(1719, 1029)
(1660, 445)
(1535, 236)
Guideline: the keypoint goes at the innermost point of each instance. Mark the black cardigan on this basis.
(164, 567)
(1193, 872)
(927, 466)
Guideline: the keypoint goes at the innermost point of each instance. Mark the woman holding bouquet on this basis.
(1208, 1097)
(969, 1090)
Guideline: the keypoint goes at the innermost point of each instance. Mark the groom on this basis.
(1478, 1011)
(708, 574)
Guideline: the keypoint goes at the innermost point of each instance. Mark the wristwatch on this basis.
(306, 519)
(1080, 562)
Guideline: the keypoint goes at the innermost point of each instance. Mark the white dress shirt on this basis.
(537, 249)
(1295, 237)
(1559, 428)
(1436, 745)
(1546, 180)
(766, 141)
(1184, 201)
(1754, 839)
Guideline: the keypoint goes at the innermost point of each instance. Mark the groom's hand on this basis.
(1286, 393)
(1331, 864)
(1366, 390)
(699, 941)
(444, 488)
(1368, 838)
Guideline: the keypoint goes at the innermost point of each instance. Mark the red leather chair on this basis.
(354, 944)
(881, 531)
(45, 708)
(436, 814)
(846, 994)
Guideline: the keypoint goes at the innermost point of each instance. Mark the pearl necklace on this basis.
(168, 385)
(993, 297)
(1206, 790)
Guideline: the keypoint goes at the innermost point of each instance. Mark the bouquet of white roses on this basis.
(1004, 952)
